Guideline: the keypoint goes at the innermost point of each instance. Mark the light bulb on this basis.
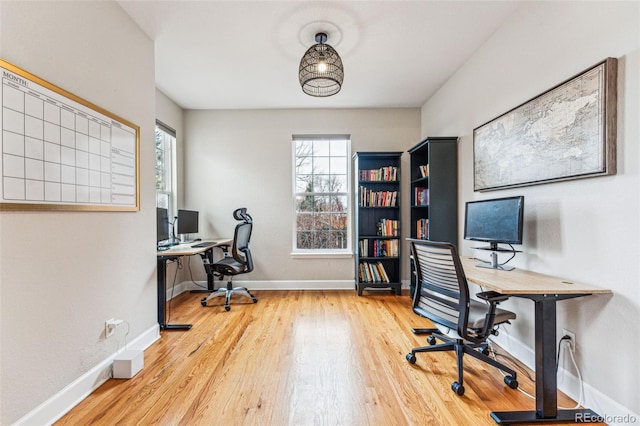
(322, 67)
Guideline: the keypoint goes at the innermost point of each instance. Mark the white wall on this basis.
(585, 230)
(64, 273)
(243, 159)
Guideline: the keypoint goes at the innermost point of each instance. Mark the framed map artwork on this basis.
(568, 132)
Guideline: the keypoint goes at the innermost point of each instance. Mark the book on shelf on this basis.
(424, 170)
(383, 174)
(388, 227)
(385, 248)
(364, 247)
(371, 198)
(421, 196)
(422, 229)
(369, 272)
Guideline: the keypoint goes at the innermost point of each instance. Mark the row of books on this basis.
(372, 273)
(422, 229)
(370, 198)
(388, 228)
(381, 248)
(424, 170)
(389, 173)
(421, 196)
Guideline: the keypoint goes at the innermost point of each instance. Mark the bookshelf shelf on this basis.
(377, 221)
(434, 191)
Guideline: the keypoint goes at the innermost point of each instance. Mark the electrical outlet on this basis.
(110, 326)
(572, 337)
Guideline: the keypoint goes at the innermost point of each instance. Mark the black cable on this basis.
(191, 274)
(513, 251)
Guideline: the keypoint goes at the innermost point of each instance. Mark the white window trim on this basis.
(321, 254)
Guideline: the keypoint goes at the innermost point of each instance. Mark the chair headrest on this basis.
(241, 214)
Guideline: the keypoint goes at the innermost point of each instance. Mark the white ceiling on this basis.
(245, 54)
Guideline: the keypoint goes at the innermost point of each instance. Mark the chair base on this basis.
(476, 350)
(227, 292)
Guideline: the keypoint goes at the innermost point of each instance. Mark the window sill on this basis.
(321, 255)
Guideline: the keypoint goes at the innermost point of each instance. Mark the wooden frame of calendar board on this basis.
(567, 132)
(61, 152)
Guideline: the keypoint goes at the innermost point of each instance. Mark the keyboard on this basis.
(206, 244)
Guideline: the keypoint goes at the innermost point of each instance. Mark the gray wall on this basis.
(585, 230)
(243, 158)
(64, 273)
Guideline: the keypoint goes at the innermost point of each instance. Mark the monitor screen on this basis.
(187, 222)
(495, 221)
(162, 222)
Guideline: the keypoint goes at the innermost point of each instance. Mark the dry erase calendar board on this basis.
(60, 152)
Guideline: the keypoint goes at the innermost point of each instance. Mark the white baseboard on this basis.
(59, 404)
(611, 411)
(267, 285)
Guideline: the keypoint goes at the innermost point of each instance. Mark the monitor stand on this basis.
(494, 258)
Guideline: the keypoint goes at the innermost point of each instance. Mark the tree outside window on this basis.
(165, 141)
(321, 193)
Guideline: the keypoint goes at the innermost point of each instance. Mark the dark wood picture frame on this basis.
(567, 132)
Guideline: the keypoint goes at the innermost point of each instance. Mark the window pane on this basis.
(304, 183)
(162, 200)
(321, 148)
(320, 165)
(338, 166)
(304, 165)
(305, 204)
(339, 147)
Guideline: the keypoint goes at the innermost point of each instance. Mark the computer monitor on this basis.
(187, 222)
(162, 222)
(496, 221)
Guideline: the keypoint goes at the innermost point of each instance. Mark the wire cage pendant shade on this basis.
(321, 72)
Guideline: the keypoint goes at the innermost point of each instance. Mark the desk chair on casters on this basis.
(238, 262)
(463, 324)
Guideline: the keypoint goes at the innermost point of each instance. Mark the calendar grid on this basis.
(61, 151)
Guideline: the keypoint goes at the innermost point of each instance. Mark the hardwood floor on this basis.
(299, 358)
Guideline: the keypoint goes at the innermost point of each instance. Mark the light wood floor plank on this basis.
(299, 358)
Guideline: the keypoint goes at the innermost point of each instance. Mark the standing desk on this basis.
(173, 253)
(545, 291)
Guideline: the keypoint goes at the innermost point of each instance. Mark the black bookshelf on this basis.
(377, 221)
(434, 191)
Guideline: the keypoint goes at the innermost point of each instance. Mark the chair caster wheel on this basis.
(457, 388)
(485, 351)
(431, 340)
(255, 300)
(511, 382)
(411, 358)
(203, 302)
(227, 308)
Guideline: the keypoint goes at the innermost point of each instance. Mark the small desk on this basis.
(545, 291)
(173, 253)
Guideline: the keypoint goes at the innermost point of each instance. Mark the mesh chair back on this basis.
(442, 293)
(241, 250)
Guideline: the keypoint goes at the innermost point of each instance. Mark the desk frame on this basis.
(545, 291)
(172, 254)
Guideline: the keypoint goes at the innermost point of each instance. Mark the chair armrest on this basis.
(492, 296)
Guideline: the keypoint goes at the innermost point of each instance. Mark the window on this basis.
(321, 194)
(165, 142)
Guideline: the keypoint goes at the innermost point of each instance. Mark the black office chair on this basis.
(462, 323)
(238, 262)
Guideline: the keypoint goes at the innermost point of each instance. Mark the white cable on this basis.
(126, 334)
(575, 364)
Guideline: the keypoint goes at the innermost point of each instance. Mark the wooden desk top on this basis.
(186, 249)
(521, 281)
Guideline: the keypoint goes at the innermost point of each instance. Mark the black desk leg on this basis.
(162, 298)
(546, 376)
(210, 277)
